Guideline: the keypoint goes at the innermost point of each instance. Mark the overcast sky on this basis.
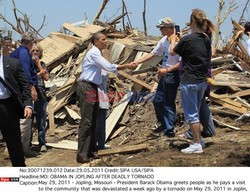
(59, 11)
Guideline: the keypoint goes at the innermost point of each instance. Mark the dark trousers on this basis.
(40, 108)
(101, 128)
(88, 100)
(164, 101)
(10, 128)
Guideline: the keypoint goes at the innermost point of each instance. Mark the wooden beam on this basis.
(240, 110)
(238, 94)
(234, 88)
(116, 114)
(126, 75)
(229, 101)
(225, 125)
(223, 84)
(51, 119)
(222, 111)
(123, 149)
(118, 131)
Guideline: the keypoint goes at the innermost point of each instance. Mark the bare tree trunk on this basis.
(144, 19)
(123, 11)
(217, 27)
(232, 6)
(104, 3)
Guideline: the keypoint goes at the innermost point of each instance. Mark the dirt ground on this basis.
(227, 148)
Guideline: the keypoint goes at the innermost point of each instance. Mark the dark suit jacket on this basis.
(14, 77)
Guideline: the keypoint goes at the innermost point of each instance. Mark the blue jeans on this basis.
(165, 108)
(40, 108)
(191, 97)
(101, 128)
(206, 120)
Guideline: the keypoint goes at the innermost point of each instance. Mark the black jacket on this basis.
(14, 77)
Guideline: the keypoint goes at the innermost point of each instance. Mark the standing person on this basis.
(23, 54)
(41, 103)
(247, 32)
(87, 96)
(6, 45)
(12, 74)
(206, 118)
(195, 50)
(165, 108)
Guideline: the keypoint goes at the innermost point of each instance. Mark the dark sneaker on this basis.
(30, 154)
(82, 159)
(158, 129)
(94, 155)
(169, 133)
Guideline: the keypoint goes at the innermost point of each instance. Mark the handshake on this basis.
(131, 65)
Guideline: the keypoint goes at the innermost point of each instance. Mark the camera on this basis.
(177, 29)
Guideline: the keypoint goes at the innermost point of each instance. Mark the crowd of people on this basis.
(186, 65)
(22, 97)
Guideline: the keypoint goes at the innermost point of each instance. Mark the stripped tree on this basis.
(22, 22)
(220, 18)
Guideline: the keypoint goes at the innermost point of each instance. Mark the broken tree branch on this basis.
(243, 12)
(144, 19)
(104, 3)
(22, 23)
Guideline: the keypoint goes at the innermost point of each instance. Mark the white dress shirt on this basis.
(3, 92)
(92, 65)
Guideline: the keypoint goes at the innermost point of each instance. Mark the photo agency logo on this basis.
(9, 179)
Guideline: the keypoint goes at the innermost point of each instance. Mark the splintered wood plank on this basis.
(116, 114)
(229, 101)
(51, 120)
(234, 88)
(222, 111)
(126, 75)
(118, 131)
(238, 94)
(226, 125)
(69, 38)
(235, 79)
(217, 71)
(123, 149)
(64, 144)
(74, 115)
(84, 32)
(55, 47)
(240, 110)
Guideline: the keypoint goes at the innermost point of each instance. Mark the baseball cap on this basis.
(165, 22)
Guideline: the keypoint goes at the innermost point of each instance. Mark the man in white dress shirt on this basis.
(87, 96)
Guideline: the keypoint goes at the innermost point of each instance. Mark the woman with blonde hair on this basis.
(195, 50)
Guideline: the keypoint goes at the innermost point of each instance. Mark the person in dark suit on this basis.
(12, 77)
